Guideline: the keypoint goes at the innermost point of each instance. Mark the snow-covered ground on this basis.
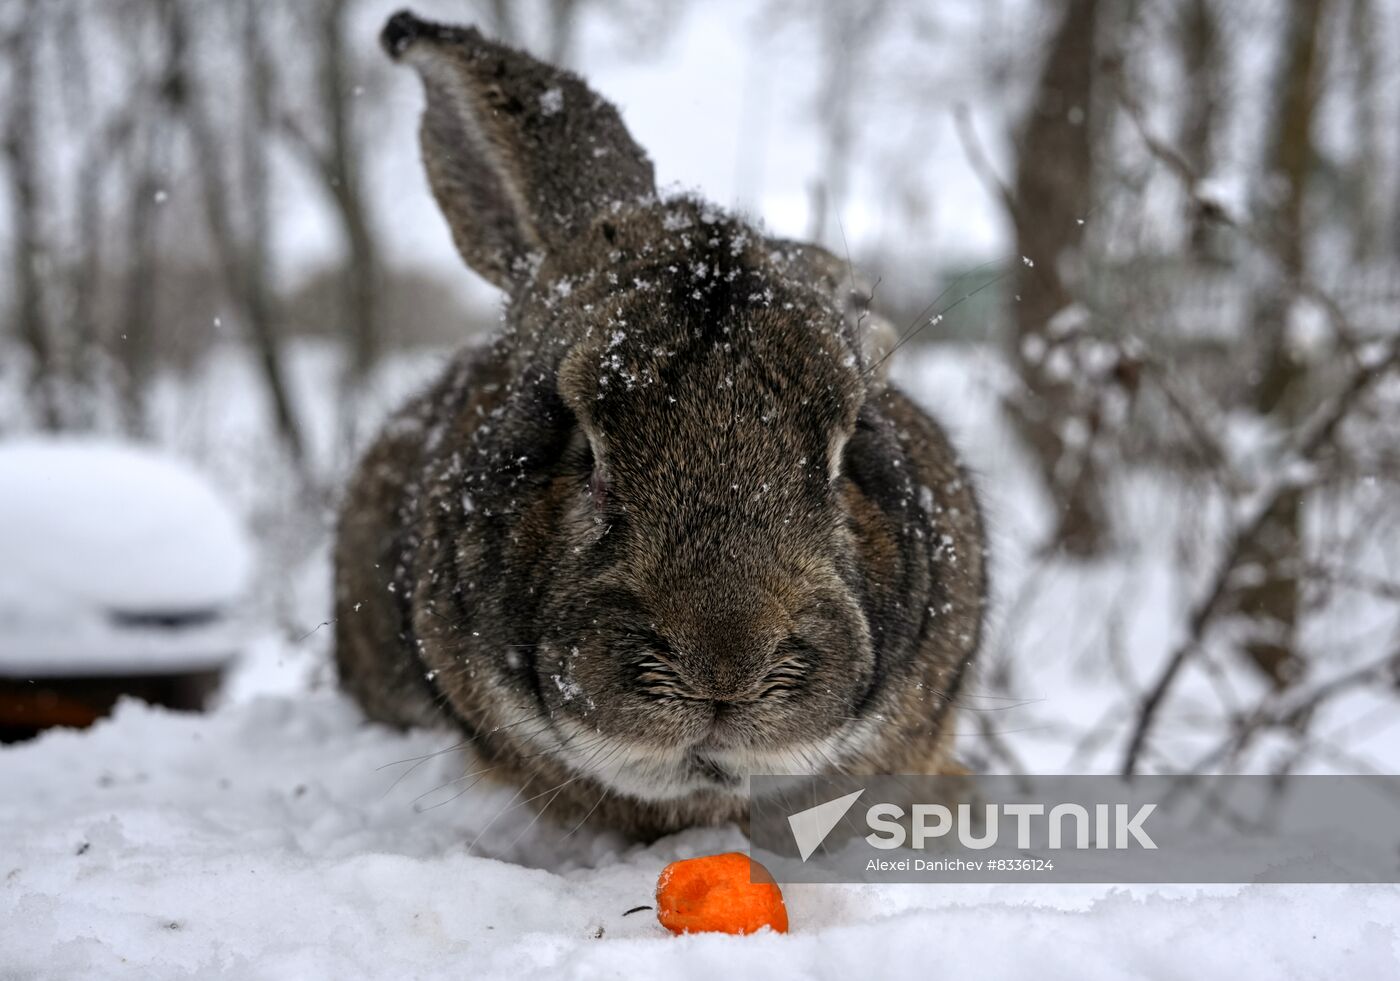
(270, 839)
(282, 836)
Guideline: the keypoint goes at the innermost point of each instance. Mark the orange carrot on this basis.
(713, 894)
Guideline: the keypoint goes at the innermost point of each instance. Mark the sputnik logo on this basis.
(810, 827)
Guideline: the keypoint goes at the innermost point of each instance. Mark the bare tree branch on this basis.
(1311, 439)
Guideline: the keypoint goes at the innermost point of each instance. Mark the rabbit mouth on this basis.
(704, 767)
(669, 772)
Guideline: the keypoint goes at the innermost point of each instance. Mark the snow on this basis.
(551, 101)
(93, 527)
(274, 838)
(1229, 194)
(1308, 326)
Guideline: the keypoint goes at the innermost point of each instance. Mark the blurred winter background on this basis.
(1147, 255)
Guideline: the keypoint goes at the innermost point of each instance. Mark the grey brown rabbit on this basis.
(672, 528)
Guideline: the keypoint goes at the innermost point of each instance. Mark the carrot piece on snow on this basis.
(714, 894)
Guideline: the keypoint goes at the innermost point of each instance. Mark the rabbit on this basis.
(674, 526)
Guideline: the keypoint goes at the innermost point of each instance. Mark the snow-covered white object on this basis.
(113, 558)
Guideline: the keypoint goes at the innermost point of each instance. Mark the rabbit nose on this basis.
(724, 639)
(725, 686)
(730, 672)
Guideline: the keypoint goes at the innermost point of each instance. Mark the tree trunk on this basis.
(83, 273)
(341, 171)
(1199, 41)
(1272, 603)
(244, 259)
(1367, 95)
(846, 33)
(563, 21)
(133, 342)
(503, 25)
(30, 307)
(260, 301)
(1053, 192)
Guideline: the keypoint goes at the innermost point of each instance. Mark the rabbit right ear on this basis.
(875, 335)
(521, 156)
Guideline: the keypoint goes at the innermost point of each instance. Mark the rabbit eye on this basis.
(582, 457)
(598, 487)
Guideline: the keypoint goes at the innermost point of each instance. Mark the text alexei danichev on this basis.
(959, 865)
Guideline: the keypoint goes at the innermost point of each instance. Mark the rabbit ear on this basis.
(878, 339)
(521, 156)
(854, 294)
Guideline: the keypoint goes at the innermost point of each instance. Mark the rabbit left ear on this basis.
(521, 156)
